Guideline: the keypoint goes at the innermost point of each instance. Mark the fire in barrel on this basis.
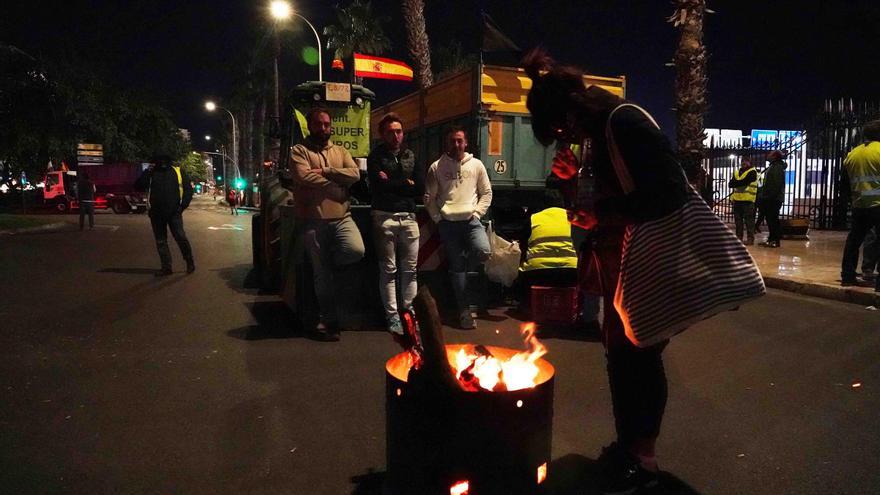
(475, 421)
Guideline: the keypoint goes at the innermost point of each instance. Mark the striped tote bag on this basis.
(679, 269)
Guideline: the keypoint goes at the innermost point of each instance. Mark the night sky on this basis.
(771, 63)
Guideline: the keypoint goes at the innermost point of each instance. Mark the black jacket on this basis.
(394, 194)
(660, 183)
(774, 182)
(165, 190)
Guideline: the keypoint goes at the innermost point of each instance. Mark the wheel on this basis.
(61, 206)
(119, 208)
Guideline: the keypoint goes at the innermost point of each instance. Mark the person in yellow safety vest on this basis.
(551, 260)
(861, 170)
(745, 189)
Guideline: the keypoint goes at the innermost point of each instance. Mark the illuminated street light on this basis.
(207, 137)
(210, 106)
(280, 9)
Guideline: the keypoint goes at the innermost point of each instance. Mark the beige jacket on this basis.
(321, 180)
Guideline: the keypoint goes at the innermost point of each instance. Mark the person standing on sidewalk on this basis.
(322, 175)
(773, 195)
(457, 195)
(861, 170)
(85, 196)
(745, 189)
(170, 194)
(395, 184)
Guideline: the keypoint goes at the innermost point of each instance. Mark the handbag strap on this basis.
(620, 169)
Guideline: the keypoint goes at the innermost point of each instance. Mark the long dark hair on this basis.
(559, 89)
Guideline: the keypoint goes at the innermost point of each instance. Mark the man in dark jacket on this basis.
(773, 194)
(170, 194)
(395, 184)
(85, 195)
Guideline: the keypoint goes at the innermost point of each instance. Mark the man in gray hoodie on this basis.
(457, 195)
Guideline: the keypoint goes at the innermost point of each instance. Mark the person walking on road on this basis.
(773, 195)
(457, 195)
(745, 188)
(861, 170)
(232, 199)
(563, 109)
(85, 196)
(170, 194)
(395, 184)
(322, 174)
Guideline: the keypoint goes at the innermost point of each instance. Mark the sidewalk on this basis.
(810, 267)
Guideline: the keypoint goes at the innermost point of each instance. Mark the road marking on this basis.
(226, 226)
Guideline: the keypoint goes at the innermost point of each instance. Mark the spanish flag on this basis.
(381, 68)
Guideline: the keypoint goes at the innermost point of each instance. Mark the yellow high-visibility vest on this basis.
(179, 181)
(863, 167)
(747, 192)
(550, 244)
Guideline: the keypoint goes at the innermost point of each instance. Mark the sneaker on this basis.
(770, 244)
(326, 332)
(164, 272)
(622, 474)
(465, 322)
(395, 326)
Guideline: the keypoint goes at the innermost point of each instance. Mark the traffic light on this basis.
(219, 178)
(239, 183)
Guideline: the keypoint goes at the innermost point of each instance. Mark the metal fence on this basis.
(814, 157)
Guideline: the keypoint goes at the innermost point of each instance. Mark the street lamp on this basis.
(207, 137)
(211, 106)
(282, 11)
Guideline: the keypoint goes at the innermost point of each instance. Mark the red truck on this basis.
(114, 188)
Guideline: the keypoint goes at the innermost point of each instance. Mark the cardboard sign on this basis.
(337, 92)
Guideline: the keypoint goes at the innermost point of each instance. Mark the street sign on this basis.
(89, 154)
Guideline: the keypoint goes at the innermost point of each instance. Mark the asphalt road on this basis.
(115, 382)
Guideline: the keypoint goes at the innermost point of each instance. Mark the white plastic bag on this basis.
(503, 264)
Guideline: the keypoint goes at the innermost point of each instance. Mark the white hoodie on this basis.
(457, 191)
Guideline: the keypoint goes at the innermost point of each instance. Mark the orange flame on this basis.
(460, 488)
(516, 373)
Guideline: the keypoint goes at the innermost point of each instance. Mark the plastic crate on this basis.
(554, 304)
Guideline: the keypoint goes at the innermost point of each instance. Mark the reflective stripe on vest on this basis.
(179, 181)
(863, 167)
(746, 192)
(550, 244)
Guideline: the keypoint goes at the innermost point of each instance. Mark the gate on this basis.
(814, 157)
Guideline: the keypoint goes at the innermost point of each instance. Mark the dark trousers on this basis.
(870, 252)
(86, 209)
(862, 220)
(771, 210)
(636, 375)
(744, 213)
(161, 223)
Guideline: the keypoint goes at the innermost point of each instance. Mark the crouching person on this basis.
(322, 175)
(395, 185)
(457, 194)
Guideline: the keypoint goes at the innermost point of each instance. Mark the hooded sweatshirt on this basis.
(457, 190)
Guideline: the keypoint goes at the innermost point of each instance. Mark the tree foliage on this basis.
(46, 108)
(193, 164)
(358, 30)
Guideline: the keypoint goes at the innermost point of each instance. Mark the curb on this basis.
(39, 228)
(836, 293)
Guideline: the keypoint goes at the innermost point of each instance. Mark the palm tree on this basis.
(690, 86)
(358, 31)
(417, 40)
(452, 58)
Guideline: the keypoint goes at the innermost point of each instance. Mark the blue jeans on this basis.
(331, 244)
(461, 239)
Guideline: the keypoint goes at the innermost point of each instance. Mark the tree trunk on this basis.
(417, 41)
(247, 158)
(690, 88)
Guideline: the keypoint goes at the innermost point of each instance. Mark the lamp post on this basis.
(211, 106)
(281, 11)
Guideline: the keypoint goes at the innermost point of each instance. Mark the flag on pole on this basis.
(381, 68)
